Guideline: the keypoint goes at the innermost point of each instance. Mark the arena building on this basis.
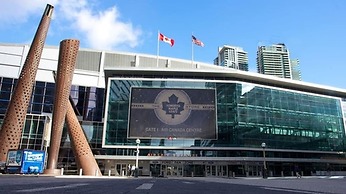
(192, 118)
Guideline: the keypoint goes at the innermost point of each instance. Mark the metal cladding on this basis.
(66, 64)
(14, 119)
(81, 149)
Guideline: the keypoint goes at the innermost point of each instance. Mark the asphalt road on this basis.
(195, 185)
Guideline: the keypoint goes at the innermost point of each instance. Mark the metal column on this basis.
(14, 119)
(66, 64)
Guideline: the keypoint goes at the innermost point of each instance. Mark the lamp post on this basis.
(138, 141)
(263, 145)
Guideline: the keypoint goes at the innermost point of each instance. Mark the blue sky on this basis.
(313, 30)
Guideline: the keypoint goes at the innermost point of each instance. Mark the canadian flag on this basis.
(166, 39)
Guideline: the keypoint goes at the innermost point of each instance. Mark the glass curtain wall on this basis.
(88, 105)
(248, 115)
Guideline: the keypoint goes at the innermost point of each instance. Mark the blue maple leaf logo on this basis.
(173, 107)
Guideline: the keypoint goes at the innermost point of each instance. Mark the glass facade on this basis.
(248, 115)
(297, 127)
(300, 123)
(88, 106)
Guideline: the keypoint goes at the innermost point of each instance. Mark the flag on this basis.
(166, 39)
(197, 42)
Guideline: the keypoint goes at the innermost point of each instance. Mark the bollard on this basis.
(282, 173)
(109, 172)
(96, 172)
(136, 172)
(62, 171)
(80, 172)
(233, 174)
(265, 173)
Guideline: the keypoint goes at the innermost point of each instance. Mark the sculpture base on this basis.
(52, 172)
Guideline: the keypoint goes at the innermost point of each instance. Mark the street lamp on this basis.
(263, 145)
(138, 141)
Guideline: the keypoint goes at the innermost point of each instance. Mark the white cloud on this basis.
(97, 29)
(102, 29)
(18, 11)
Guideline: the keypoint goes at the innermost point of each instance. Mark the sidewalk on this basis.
(190, 178)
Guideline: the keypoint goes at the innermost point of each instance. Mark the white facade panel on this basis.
(11, 49)
(48, 64)
(9, 71)
(85, 80)
(101, 82)
(45, 76)
(50, 53)
(10, 59)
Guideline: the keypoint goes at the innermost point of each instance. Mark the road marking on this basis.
(336, 177)
(187, 182)
(51, 188)
(145, 186)
(291, 190)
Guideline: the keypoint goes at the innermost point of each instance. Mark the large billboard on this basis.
(25, 161)
(172, 113)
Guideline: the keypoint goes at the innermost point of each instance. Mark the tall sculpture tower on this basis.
(63, 111)
(14, 119)
(66, 64)
(80, 146)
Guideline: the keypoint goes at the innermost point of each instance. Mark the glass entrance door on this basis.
(174, 170)
(210, 170)
(255, 170)
(123, 169)
(216, 170)
(155, 170)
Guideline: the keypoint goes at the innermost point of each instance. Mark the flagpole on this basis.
(158, 49)
(191, 50)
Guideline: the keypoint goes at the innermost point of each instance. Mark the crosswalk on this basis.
(145, 186)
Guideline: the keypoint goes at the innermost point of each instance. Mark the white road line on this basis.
(336, 177)
(187, 182)
(145, 186)
(290, 190)
(51, 188)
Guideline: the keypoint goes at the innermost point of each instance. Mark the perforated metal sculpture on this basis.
(14, 119)
(81, 149)
(66, 64)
